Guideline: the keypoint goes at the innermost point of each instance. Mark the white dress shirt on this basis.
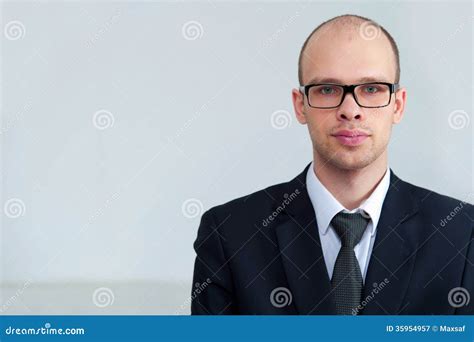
(326, 207)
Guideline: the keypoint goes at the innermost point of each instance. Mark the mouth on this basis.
(350, 138)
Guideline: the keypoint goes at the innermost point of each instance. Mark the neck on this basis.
(350, 187)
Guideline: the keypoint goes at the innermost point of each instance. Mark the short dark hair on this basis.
(352, 19)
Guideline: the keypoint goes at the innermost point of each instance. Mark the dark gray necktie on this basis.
(346, 279)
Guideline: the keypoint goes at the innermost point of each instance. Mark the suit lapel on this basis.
(393, 254)
(301, 253)
(391, 262)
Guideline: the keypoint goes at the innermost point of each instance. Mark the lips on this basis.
(350, 138)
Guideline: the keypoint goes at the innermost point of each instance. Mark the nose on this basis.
(349, 109)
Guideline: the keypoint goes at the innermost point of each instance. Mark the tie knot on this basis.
(350, 227)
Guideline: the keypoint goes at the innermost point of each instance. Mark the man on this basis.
(346, 236)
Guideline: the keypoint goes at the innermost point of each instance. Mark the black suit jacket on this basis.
(419, 253)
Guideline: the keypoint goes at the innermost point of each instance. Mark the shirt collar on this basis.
(326, 206)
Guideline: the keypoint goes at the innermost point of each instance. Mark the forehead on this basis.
(344, 55)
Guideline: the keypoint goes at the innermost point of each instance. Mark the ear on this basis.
(400, 102)
(298, 105)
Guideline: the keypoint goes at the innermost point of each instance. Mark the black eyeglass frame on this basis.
(393, 87)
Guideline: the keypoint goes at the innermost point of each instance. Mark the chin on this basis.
(352, 160)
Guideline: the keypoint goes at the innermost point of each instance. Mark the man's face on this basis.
(345, 57)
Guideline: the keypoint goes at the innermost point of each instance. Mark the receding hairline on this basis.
(352, 21)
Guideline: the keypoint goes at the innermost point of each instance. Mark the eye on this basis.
(371, 89)
(328, 90)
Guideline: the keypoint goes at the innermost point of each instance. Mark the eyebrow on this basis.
(338, 81)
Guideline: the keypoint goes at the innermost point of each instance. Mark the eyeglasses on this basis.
(367, 95)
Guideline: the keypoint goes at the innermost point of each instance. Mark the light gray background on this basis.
(197, 117)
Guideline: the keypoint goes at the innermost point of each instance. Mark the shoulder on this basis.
(252, 205)
(432, 200)
(441, 209)
(243, 217)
